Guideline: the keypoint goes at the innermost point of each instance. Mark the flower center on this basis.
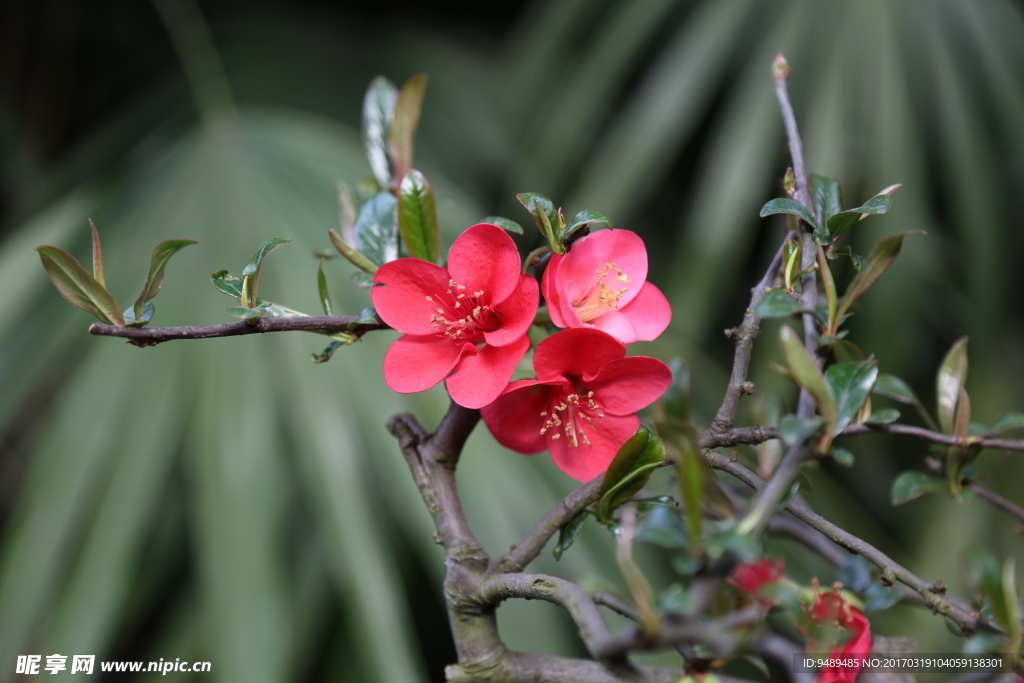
(602, 295)
(462, 316)
(571, 412)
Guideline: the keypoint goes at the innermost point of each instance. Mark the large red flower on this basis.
(833, 607)
(465, 323)
(602, 283)
(582, 406)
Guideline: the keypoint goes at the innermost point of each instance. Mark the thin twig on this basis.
(1006, 505)
(311, 323)
(935, 437)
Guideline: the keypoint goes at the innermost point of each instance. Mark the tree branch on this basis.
(934, 437)
(310, 323)
(711, 634)
(516, 667)
(1006, 505)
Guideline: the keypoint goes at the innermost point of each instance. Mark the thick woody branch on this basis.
(932, 593)
(516, 667)
(312, 323)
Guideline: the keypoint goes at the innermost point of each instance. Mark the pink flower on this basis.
(582, 406)
(602, 283)
(833, 607)
(465, 323)
(753, 577)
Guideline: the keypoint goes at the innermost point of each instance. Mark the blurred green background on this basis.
(228, 500)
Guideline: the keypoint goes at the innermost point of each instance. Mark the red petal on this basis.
(517, 313)
(649, 312)
(415, 363)
(627, 385)
(515, 419)
(578, 351)
(480, 377)
(552, 297)
(582, 462)
(485, 258)
(402, 300)
(617, 325)
(623, 248)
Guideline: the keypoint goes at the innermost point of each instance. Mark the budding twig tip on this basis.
(780, 67)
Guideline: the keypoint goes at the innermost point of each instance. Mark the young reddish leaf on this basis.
(417, 217)
(950, 380)
(401, 137)
(97, 257)
(882, 255)
(809, 376)
(630, 471)
(78, 286)
(161, 254)
(378, 113)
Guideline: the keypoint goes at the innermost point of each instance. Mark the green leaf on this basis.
(808, 375)
(321, 287)
(504, 223)
(826, 195)
(878, 597)
(842, 456)
(148, 309)
(1006, 423)
(97, 256)
(884, 416)
(361, 279)
(378, 113)
(795, 430)
(850, 384)
(78, 286)
(543, 212)
(326, 354)
(676, 398)
(843, 221)
(376, 229)
(1000, 587)
(950, 380)
(630, 471)
(402, 135)
(847, 351)
(663, 527)
(367, 316)
(882, 255)
(246, 313)
(567, 534)
(895, 388)
(417, 217)
(227, 283)
(779, 304)
(251, 272)
(157, 263)
(583, 219)
(354, 257)
(790, 206)
(829, 284)
(914, 484)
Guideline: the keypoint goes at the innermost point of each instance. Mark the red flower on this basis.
(466, 322)
(602, 283)
(582, 406)
(833, 607)
(752, 577)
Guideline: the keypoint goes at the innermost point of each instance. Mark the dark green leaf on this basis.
(999, 586)
(645, 505)
(251, 272)
(790, 206)
(367, 316)
(582, 219)
(567, 534)
(883, 417)
(630, 471)
(831, 339)
(913, 484)
(321, 287)
(1007, 423)
(227, 283)
(826, 195)
(417, 217)
(504, 223)
(808, 376)
(161, 254)
(376, 229)
(543, 212)
(402, 135)
(326, 354)
(882, 256)
(949, 381)
(663, 527)
(841, 222)
(850, 384)
(795, 430)
(676, 398)
(148, 309)
(846, 351)
(779, 304)
(378, 113)
(78, 286)
(842, 456)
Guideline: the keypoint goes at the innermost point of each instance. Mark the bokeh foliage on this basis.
(229, 500)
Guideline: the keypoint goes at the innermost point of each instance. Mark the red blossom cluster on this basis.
(466, 325)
